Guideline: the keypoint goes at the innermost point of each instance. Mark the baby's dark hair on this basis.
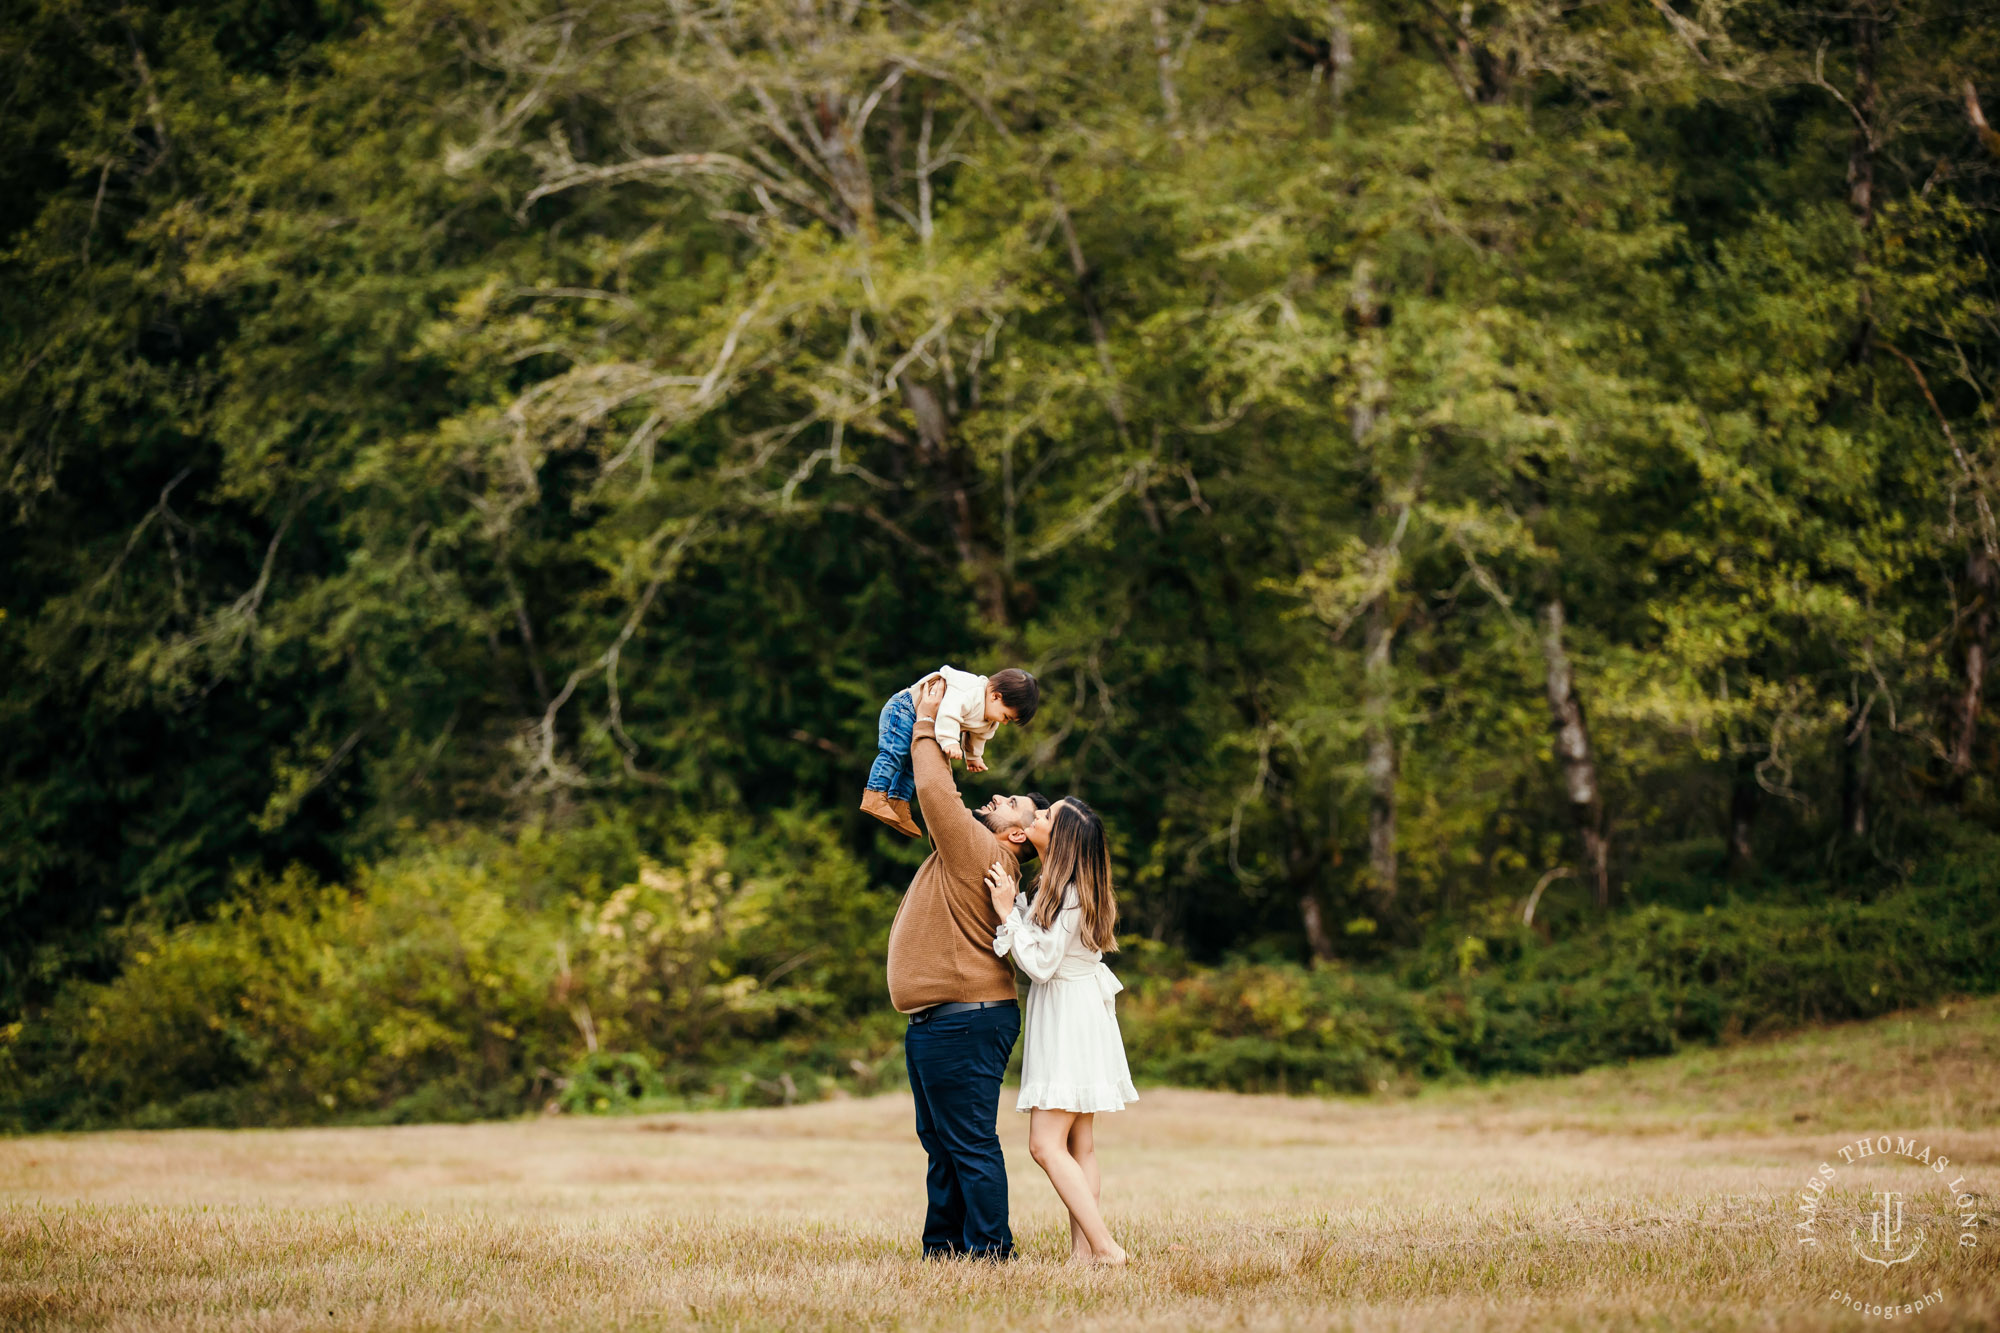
(1019, 691)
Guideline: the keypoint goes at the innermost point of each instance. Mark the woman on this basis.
(1074, 1063)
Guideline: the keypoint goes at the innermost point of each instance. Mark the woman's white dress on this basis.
(1074, 1059)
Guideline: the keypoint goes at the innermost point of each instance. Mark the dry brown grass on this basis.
(1657, 1196)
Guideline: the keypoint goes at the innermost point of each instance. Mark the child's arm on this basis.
(964, 707)
(975, 752)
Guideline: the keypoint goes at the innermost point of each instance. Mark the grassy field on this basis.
(1653, 1196)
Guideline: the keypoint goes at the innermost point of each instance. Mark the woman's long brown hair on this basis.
(1078, 859)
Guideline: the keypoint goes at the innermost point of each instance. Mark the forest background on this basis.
(1499, 496)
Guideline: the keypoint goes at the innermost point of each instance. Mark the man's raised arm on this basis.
(955, 831)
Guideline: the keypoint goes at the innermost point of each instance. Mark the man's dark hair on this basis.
(1041, 801)
(1020, 692)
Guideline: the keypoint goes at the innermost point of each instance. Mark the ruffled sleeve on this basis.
(1037, 950)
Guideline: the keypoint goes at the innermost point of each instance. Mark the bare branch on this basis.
(1989, 532)
(527, 628)
(158, 511)
(1080, 269)
(1686, 29)
(1134, 477)
(869, 104)
(890, 526)
(155, 112)
(1541, 885)
(1819, 81)
(97, 205)
(544, 764)
(495, 129)
(677, 164)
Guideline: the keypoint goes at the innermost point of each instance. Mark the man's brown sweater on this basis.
(941, 945)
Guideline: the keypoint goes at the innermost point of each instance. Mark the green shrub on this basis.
(1639, 984)
(303, 1001)
(478, 978)
(452, 983)
(600, 1083)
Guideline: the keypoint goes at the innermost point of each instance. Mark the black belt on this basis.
(958, 1007)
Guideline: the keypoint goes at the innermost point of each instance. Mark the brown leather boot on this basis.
(878, 804)
(904, 822)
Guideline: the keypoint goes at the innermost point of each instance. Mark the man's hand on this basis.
(930, 698)
(1000, 885)
(974, 764)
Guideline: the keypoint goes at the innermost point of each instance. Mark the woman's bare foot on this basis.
(1115, 1259)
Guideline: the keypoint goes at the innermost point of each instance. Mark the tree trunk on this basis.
(1305, 854)
(1378, 684)
(1854, 771)
(1315, 922)
(1867, 101)
(1744, 799)
(1163, 57)
(1861, 174)
(1977, 115)
(1339, 53)
(1572, 747)
(947, 460)
(1380, 764)
(1979, 573)
(1370, 389)
(1861, 166)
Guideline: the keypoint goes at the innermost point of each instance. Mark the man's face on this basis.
(1010, 817)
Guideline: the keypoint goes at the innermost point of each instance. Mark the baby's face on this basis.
(996, 711)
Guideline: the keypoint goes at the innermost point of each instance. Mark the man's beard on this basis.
(1002, 823)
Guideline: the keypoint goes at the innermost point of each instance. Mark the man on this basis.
(960, 997)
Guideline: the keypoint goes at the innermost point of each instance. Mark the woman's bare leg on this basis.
(1082, 1145)
(1048, 1142)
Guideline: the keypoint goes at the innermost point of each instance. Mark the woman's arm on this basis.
(1037, 950)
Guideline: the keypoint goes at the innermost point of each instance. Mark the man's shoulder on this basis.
(973, 848)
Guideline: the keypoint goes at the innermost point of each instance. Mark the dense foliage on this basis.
(481, 978)
(1435, 456)
(1643, 984)
(463, 982)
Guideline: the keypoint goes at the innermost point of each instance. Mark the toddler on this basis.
(974, 708)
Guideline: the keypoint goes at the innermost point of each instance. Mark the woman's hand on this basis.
(1000, 885)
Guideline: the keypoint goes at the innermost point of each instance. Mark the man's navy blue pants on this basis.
(956, 1063)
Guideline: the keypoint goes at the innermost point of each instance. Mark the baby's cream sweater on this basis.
(961, 717)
